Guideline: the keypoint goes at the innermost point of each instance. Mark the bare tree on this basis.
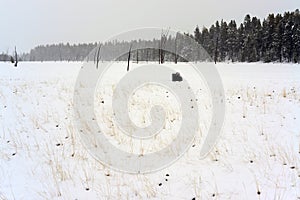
(159, 53)
(128, 60)
(137, 56)
(147, 57)
(16, 57)
(175, 50)
(98, 56)
(163, 40)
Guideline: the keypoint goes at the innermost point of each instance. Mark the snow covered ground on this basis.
(256, 157)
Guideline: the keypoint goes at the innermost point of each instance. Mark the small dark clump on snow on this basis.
(102, 101)
(58, 144)
(258, 192)
(194, 198)
(213, 195)
(239, 97)
(160, 184)
(13, 154)
(167, 175)
(87, 189)
(166, 179)
(293, 167)
(57, 126)
(251, 161)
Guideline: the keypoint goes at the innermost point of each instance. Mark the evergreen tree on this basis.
(197, 35)
(241, 43)
(232, 41)
(288, 37)
(296, 36)
(206, 40)
(278, 35)
(223, 46)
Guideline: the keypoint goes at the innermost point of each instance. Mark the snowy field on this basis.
(256, 157)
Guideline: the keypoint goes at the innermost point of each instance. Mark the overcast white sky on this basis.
(27, 23)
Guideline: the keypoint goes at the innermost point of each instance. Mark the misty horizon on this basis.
(34, 23)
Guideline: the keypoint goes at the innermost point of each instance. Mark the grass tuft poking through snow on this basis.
(257, 155)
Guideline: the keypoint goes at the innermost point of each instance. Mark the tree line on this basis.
(274, 39)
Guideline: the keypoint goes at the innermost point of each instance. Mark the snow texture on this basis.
(256, 157)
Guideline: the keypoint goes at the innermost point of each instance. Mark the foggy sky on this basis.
(27, 23)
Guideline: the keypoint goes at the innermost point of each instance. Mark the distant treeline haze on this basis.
(274, 39)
